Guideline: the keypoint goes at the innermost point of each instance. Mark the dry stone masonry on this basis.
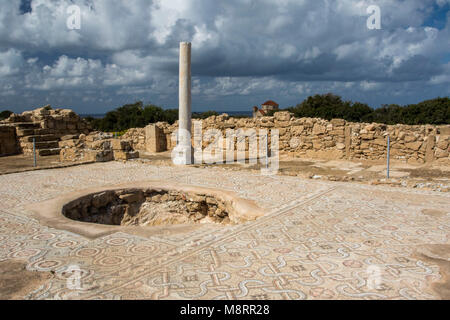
(320, 139)
(95, 147)
(45, 125)
(63, 132)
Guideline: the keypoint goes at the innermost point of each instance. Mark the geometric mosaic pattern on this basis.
(321, 240)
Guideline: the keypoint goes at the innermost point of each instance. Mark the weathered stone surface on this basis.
(282, 116)
(414, 145)
(155, 139)
(125, 155)
(443, 142)
(8, 141)
(441, 153)
(147, 208)
(338, 122)
(318, 129)
(299, 135)
(67, 143)
(43, 123)
(132, 197)
(340, 146)
(97, 147)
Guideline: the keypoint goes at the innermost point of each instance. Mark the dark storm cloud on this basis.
(243, 51)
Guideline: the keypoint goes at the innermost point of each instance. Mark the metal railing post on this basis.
(34, 152)
(388, 154)
(267, 150)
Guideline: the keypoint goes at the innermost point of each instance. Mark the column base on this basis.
(183, 155)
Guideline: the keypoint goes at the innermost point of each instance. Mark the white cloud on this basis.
(11, 62)
(241, 49)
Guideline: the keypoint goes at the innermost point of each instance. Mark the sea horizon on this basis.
(230, 113)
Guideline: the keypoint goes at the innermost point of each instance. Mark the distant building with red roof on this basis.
(266, 108)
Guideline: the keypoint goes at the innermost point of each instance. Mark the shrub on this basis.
(330, 106)
(132, 116)
(5, 114)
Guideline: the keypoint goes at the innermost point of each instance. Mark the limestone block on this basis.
(340, 146)
(67, 143)
(338, 122)
(282, 131)
(317, 144)
(318, 129)
(444, 130)
(281, 124)
(98, 156)
(117, 144)
(367, 136)
(439, 153)
(155, 139)
(410, 138)
(69, 154)
(125, 155)
(380, 142)
(282, 116)
(337, 132)
(42, 111)
(443, 142)
(267, 124)
(429, 152)
(297, 129)
(308, 123)
(414, 145)
(101, 145)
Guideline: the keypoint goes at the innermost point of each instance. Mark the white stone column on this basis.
(183, 153)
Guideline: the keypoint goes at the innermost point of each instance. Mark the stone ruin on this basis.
(95, 147)
(60, 132)
(148, 207)
(45, 125)
(314, 138)
(63, 132)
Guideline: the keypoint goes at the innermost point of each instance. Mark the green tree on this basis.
(329, 106)
(5, 114)
(132, 116)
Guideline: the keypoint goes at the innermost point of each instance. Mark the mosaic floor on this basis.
(321, 240)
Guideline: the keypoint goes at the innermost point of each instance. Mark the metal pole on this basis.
(34, 152)
(267, 150)
(388, 154)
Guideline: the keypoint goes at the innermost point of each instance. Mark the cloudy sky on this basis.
(244, 52)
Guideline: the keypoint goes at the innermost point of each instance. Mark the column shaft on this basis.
(185, 119)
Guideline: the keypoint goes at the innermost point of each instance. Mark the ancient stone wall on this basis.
(136, 137)
(46, 126)
(95, 147)
(322, 139)
(8, 141)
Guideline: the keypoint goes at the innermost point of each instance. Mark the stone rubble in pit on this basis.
(150, 207)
